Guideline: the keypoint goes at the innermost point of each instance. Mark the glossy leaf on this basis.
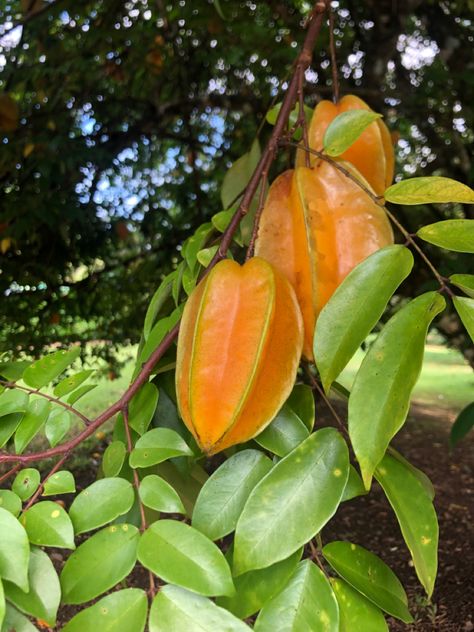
(62, 482)
(237, 177)
(385, 380)
(121, 611)
(182, 555)
(57, 426)
(421, 476)
(16, 622)
(465, 309)
(356, 306)
(293, 502)
(301, 401)
(345, 129)
(42, 599)
(188, 484)
(285, 432)
(12, 371)
(113, 459)
(157, 302)
(254, 589)
(195, 243)
(99, 563)
(224, 494)
(464, 282)
(2, 604)
(26, 482)
(8, 425)
(142, 407)
(47, 524)
(100, 503)
(452, 234)
(14, 550)
(206, 255)
(429, 190)
(158, 445)
(80, 392)
(69, 384)
(355, 611)
(32, 422)
(415, 514)
(463, 424)
(306, 604)
(368, 574)
(179, 610)
(46, 369)
(10, 501)
(354, 486)
(157, 494)
(13, 401)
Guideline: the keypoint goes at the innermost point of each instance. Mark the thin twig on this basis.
(315, 555)
(332, 49)
(136, 484)
(55, 400)
(40, 489)
(316, 386)
(10, 472)
(258, 215)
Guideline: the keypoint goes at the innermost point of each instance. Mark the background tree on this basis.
(120, 119)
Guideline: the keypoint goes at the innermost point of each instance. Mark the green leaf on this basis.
(2, 604)
(157, 302)
(13, 401)
(355, 611)
(464, 282)
(47, 524)
(142, 407)
(218, 8)
(62, 482)
(368, 574)
(237, 177)
(113, 459)
(292, 502)
(306, 603)
(224, 494)
(354, 486)
(285, 432)
(32, 422)
(421, 476)
(301, 401)
(452, 234)
(10, 501)
(179, 610)
(16, 622)
(14, 550)
(157, 494)
(188, 483)
(356, 306)
(416, 516)
(194, 244)
(385, 380)
(345, 129)
(26, 482)
(465, 309)
(46, 369)
(206, 255)
(158, 445)
(99, 563)
(68, 384)
(255, 588)
(12, 371)
(463, 424)
(100, 503)
(8, 425)
(57, 426)
(222, 219)
(42, 599)
(182, 555)
(429, 190)
(80, 392)
(272, 115)
(122, 611)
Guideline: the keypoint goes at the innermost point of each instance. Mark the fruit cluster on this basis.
(244, 327)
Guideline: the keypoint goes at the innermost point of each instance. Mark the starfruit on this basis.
(371, 154)
(316, 226)
(239, 347)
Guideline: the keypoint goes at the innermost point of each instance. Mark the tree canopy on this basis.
(119, 120)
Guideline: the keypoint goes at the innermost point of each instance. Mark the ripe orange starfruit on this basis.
(239, 347)
(371, 154)
(316, 226)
